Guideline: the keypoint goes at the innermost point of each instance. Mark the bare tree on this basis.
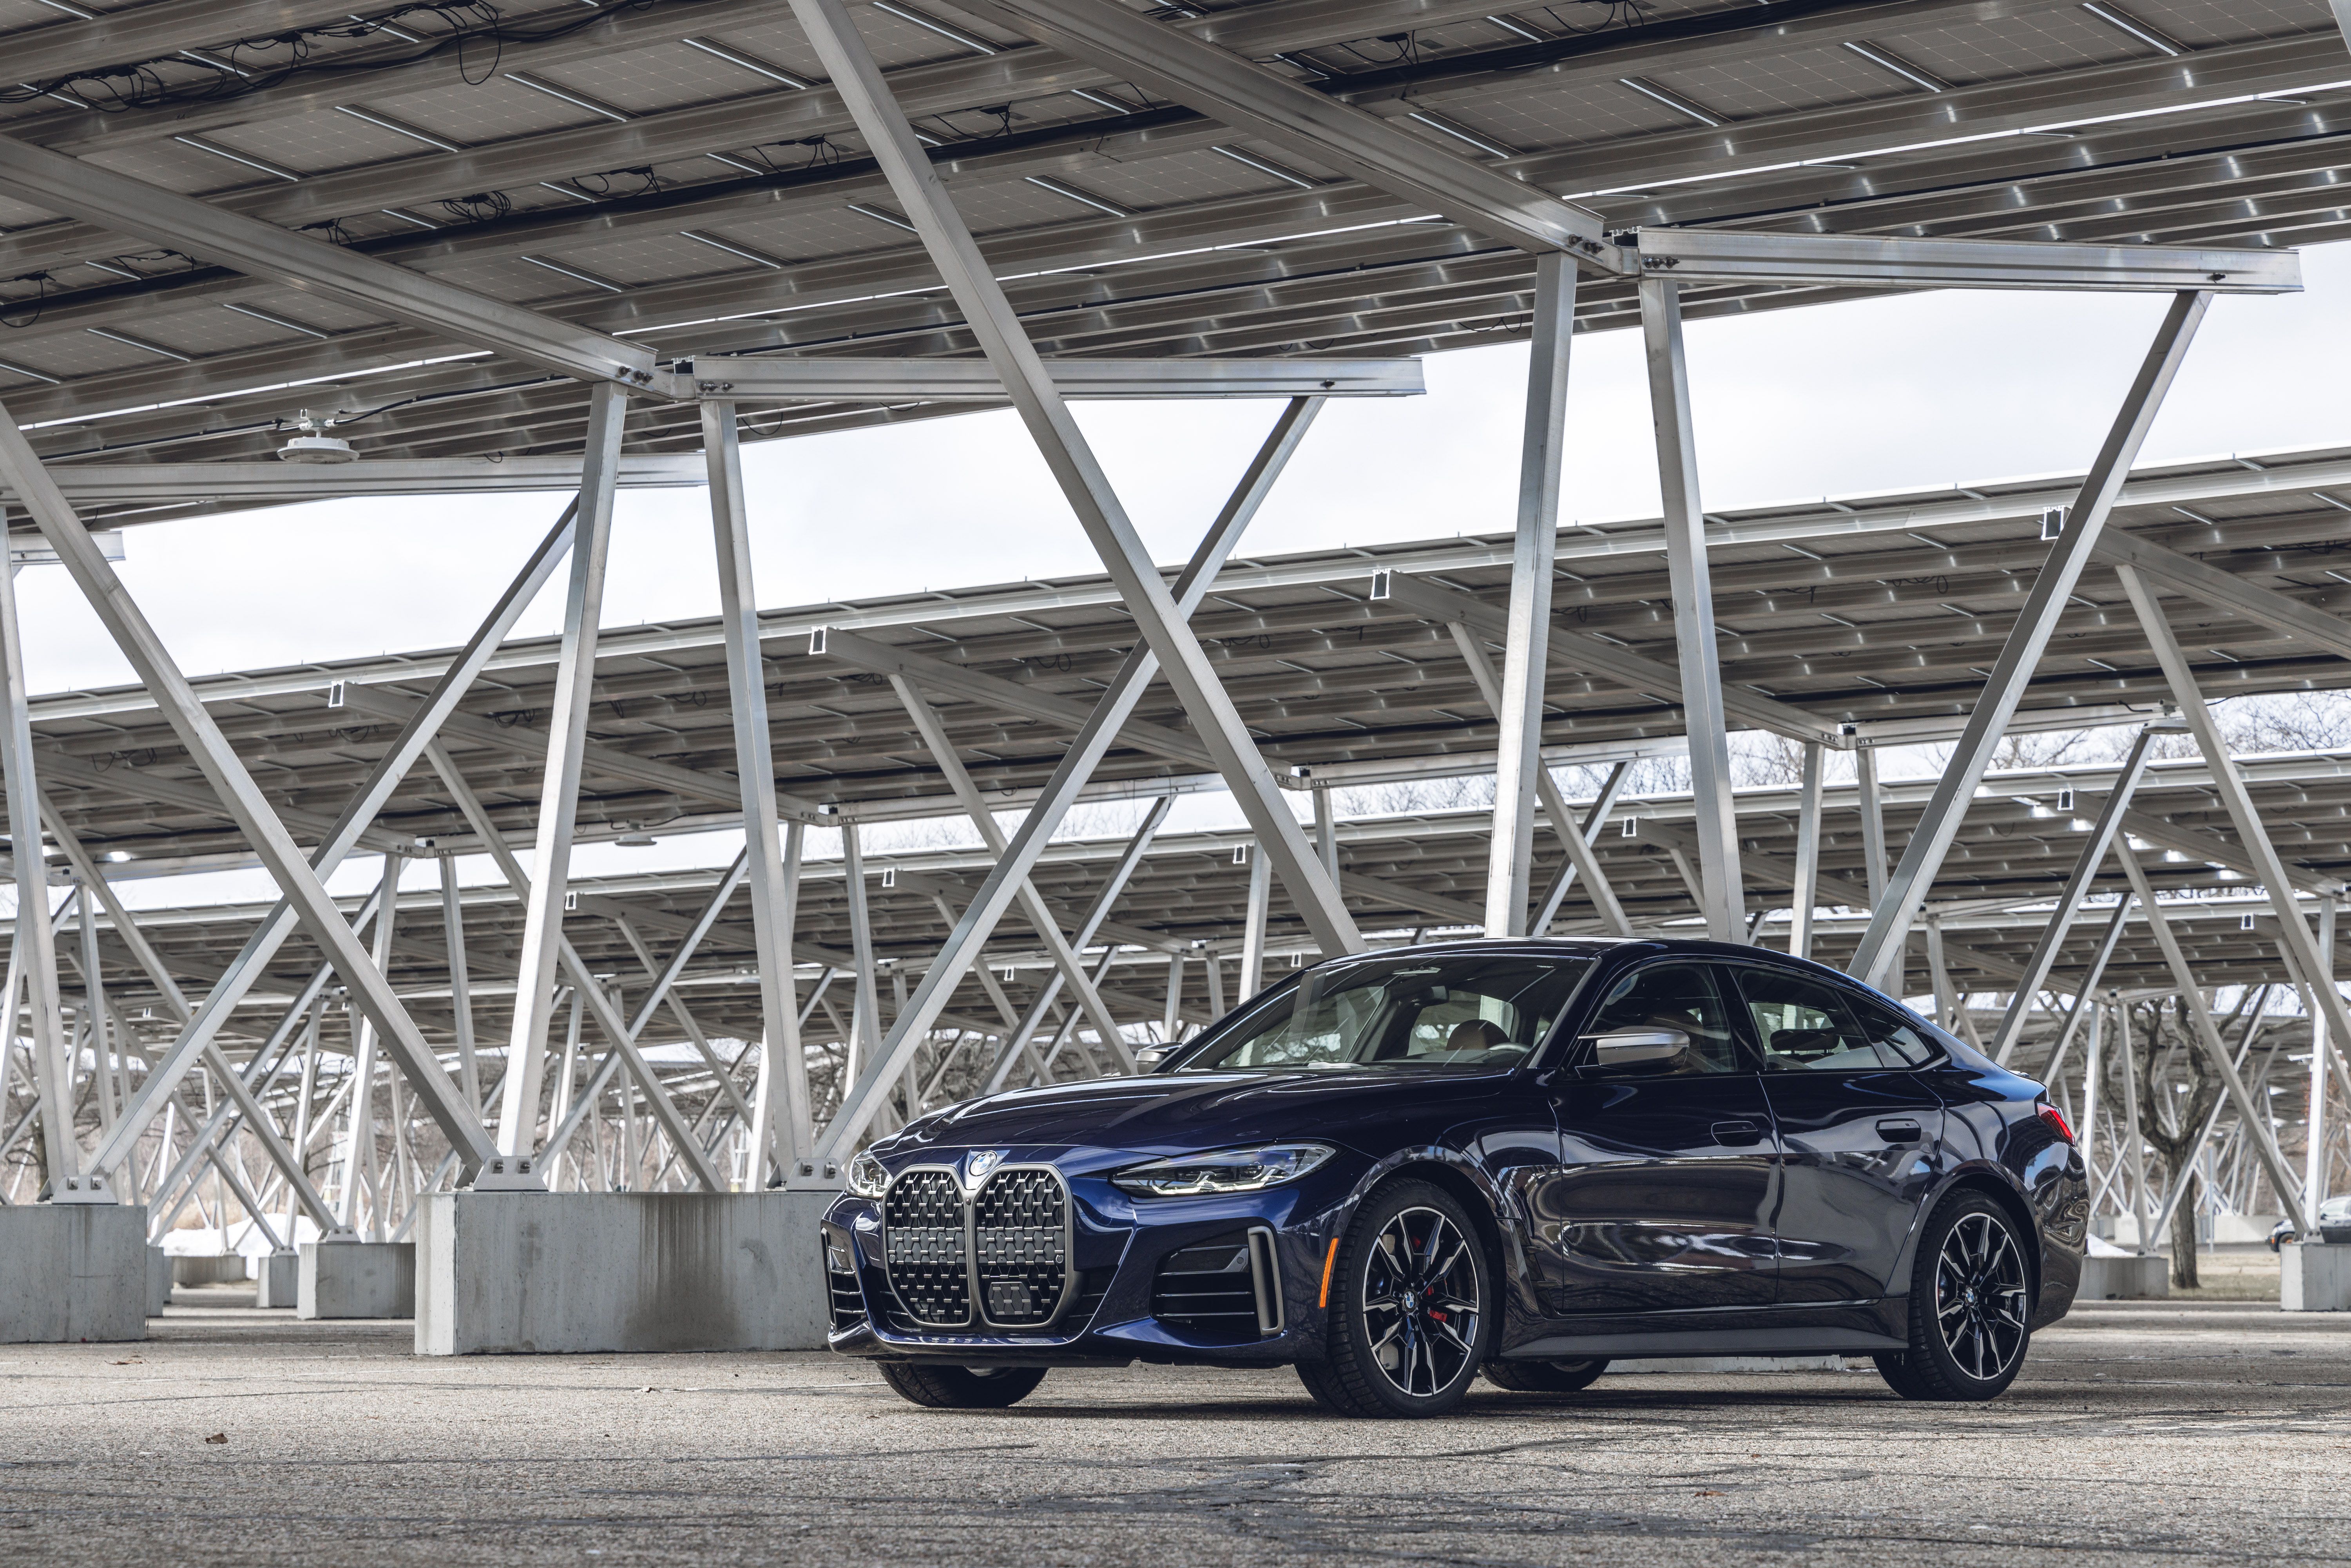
(2171, 1128)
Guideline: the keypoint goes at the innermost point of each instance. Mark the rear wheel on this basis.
(1410, 1324)
(962, 1387)
(1970, 1305)
(1545, 1376)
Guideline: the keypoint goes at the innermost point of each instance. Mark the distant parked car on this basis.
(1399, 1170)
(2334, 1223)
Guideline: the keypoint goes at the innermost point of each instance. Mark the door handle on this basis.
(1738, 1134)
(1898, 1132)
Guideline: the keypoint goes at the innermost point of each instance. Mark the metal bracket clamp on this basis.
(509, 1172)
(83, 1190)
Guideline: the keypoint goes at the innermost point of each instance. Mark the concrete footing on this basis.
(73, 1272)
(227, 1270)
(356, 1280)
(520, 1272)
(159, 1282)
(277, 1280)
(2124, 1279)
(2314, 1277)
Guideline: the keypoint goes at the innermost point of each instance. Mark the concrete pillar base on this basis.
(2314, 1277)
(159, 1282)
(356, 1280)
(228, 1271)
(2124, 1279)
(505, 1273)
(277, 1280)
(73, 1272)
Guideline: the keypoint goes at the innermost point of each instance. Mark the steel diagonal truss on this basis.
(248, 967)
(2069, 898)
(518, 1118)
(1890, 921)
(255, 817)
(783, 1067)
(559, 797)
(262, 250)
(994, 323)
(862, 1101)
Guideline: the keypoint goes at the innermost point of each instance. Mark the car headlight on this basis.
(866, 1176)
(1226, 1170)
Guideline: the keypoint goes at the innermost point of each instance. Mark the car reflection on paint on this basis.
(1398, 1172)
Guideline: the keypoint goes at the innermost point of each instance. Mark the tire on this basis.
(1970, 1305)
(1545, 1376)
(962, 1387)
(1410, 1270)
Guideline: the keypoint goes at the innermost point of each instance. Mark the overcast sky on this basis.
(1896, 392)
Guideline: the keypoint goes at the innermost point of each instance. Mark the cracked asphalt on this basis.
(2212, 1431)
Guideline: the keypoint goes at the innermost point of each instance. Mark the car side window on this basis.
(1803, 1025)
(1897, 1039)
(1686, 997)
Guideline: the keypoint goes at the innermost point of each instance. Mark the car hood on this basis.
(1164, 1114)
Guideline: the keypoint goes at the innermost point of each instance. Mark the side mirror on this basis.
(1635, 1049)
(1147, 1059)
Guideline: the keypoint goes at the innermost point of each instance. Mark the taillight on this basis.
(2055, 1118)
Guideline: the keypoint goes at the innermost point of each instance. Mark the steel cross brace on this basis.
(997, 326)
(2036, 622)
(517, 1126)
(2069, 899)
(246, 968)
(1072, 968)
(861, 1101)
(255, 817)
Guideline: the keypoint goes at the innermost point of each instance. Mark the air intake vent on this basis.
(1021, 1243)
(922, 1229)
(1208, 1287)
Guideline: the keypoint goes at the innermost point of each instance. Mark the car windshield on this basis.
(1460, 1011)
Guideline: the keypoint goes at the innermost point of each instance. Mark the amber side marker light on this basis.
(1329, 1264)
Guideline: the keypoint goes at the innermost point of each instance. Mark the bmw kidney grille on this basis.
(1003, 1256)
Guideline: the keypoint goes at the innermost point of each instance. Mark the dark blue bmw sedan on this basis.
(1399, 1170)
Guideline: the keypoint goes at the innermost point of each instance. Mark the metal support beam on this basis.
(1722, 895)
(2314, 1165)
(1706, 255)
(2255, 1117)
(1873, 822)
(1253, 919)
(559, 797)
(997, 326)
(1519, 709)
(1581, 861)
(118, 203)
(358, 1139)
(33, 936)
(2085, 995)
(2036, 621)
(865, 1009)
(861, 1100)
(461, 988)
(1256, 101)
(991, 833)
(2253, 836)
(1805, 892)
(253, 960)
(1589, 831)
(2069, 898)
(209, 749)
(783, 1069)
(746, 380)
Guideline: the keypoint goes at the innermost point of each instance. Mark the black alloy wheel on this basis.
(962, 1387)
(1970, 1305)
(1545, 1376)
(1408, 1321)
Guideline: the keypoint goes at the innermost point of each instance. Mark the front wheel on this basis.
(1409, 1322)
(1970, 1305)
(1545, 1376)
(962, 1387)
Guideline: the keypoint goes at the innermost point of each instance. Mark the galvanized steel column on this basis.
(1723, 896)
(1526, 648)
